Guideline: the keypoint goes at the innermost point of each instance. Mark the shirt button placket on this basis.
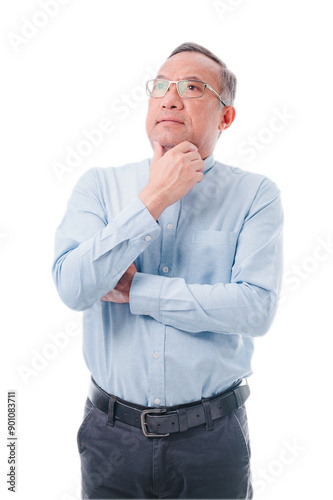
(157, 370)
(169, 235)
(168, 224)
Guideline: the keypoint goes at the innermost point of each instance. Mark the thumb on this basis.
(158, 150)
(132, 269)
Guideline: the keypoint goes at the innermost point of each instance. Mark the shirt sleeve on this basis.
(91, 254)
(244, 306)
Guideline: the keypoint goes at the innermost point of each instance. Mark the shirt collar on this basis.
(209, 163)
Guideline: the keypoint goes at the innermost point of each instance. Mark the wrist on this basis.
(154, 202)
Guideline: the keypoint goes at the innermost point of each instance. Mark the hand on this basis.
(120, 293)
(171, 176)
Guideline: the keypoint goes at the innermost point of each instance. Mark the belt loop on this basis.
(111, 411)
(238, 397)
(241, 393)
(208, 414)
(182, 419)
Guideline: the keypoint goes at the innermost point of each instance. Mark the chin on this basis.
(169, 141)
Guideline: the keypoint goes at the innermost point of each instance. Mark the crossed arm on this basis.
(94, 259)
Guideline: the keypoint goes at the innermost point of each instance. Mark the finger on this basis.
(193, 155)
(158, 151)
(199, 176)
(106, 297)
(185, 147)
(132, 269)
(198, 165)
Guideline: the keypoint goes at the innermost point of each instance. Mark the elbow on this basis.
(260, 327)
(260, 318)
(69, 291)
(71, 299)
(73, 302)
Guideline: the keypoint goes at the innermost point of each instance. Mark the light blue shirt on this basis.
(208, 280)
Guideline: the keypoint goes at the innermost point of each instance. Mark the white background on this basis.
(63, 78)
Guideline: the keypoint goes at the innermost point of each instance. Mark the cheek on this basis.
(207, 122)
(201, 124)
(151, 115)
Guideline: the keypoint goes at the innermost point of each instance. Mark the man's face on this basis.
(199, 120)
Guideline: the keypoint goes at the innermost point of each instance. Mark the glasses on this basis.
(188, 89)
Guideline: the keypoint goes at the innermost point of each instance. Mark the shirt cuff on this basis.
(145, 294)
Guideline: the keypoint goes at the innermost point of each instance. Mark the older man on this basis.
(176, 263)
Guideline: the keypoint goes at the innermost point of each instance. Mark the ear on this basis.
(228, 116)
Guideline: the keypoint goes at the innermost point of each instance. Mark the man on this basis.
(176, 263)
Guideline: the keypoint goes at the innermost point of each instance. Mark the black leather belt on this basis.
(160, 422)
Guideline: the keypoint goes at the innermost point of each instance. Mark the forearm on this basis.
(92, 268)
(246, 303)
(222, 308)
(154, 201)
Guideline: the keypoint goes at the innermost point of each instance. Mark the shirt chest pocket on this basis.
(211, 256)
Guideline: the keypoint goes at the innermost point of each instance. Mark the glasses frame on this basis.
(206, 86)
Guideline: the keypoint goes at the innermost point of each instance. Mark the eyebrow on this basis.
(191, 77)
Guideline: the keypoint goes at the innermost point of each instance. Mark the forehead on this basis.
(191, 64)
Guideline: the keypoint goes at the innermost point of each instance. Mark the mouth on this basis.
(169, 120)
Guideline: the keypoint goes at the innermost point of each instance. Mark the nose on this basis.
(172, 99)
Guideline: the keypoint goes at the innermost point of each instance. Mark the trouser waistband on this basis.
(160, 422)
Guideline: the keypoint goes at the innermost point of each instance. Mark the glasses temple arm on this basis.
(217, 95)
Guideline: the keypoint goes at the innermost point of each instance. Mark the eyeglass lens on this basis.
(186, 88)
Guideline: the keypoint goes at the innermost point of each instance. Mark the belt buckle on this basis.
(144, 423)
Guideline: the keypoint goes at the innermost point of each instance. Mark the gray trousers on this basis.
(120, 462)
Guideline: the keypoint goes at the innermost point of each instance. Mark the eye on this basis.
(192, 86)
(157, 88)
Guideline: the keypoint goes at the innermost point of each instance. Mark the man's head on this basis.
(172, 119)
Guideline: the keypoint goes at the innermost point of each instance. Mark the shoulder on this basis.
(244, 180)
(103, 176)
(121, 171)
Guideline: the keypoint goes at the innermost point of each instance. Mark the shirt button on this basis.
(170, 226)
(165, 270)
(148, 237)
(156, 355)
(157, 401)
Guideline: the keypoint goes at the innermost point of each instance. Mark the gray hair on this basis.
(227, 79)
